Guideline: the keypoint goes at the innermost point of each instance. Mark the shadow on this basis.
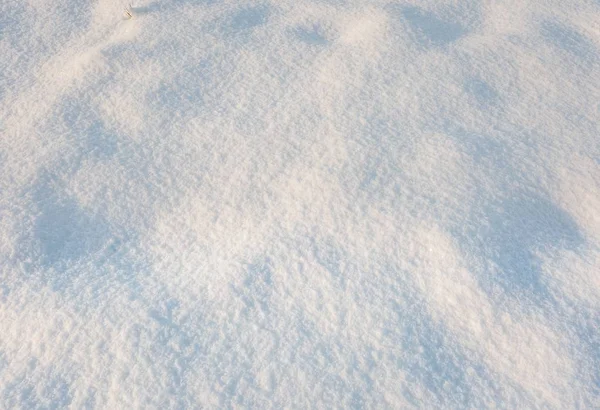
(157, 6)
(484, 94)
(428, 29)
(331, 258)
(484, 150)
(432, 360)
(172, 339)
(510, 233)
(310, 35)
(203, 2)
(587, 331)
(256, 289)
(568, 40)
(147, 9)
(182, 93)
(87, 131)
(4, 292)
(439, 370)
(63, 232)
(246, 20)
(12, 20)
(49, 392)
(509, 229)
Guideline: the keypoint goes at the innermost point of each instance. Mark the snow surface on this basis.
(300, 203)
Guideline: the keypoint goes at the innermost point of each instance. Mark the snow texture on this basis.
(300, 204)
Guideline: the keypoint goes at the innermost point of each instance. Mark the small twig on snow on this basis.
(129, 12)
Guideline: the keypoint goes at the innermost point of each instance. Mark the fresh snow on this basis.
(300, 204)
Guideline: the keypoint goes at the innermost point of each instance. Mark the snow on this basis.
(300, 204)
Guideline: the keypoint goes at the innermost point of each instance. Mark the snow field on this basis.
(304, 204)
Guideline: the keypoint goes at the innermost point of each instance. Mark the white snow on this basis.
(300, 204)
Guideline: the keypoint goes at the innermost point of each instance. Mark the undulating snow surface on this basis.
(300, 203)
